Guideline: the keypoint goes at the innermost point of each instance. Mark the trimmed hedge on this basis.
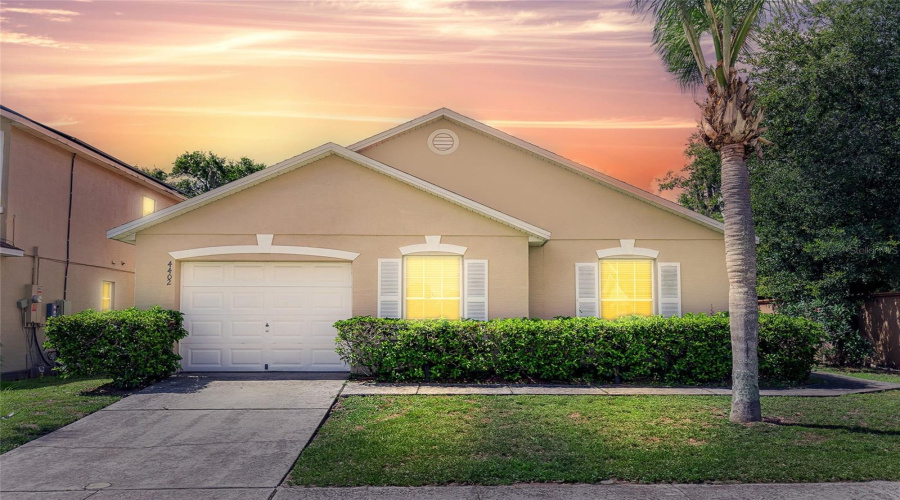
(693, 349)
(132, 347)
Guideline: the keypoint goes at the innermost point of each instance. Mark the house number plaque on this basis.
(169, 275)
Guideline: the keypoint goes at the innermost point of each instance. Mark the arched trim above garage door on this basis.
(264, 245)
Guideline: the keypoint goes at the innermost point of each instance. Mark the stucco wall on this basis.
(704, 287)
(336, 204)
(37, 198)
(582, 215)
(534, 190)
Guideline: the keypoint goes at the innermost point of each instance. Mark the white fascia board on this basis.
(594, 175)
(399, 129)
(126, 231)
(35, 129)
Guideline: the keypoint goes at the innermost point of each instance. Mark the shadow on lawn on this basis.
(856, 429)
(109, 389)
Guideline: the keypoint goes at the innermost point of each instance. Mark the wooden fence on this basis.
(880, 322)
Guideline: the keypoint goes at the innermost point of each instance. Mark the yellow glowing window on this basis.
(626, 288)
(107, 291)
(432, 287)
(148, 207)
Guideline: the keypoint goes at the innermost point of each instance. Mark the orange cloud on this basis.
(268, 79)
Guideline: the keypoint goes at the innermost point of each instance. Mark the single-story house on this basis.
(441, 217)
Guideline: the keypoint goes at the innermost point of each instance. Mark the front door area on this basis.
(259, 316)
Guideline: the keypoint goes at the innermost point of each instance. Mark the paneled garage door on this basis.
(256, 316)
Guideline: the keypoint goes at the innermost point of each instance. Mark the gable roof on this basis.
(126, 232)
(528, 148)
(76, 145)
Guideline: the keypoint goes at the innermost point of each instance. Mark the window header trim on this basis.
(627, 249)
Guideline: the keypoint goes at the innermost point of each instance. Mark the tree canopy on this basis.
(827, 194)
(197, 172)
(699, 183)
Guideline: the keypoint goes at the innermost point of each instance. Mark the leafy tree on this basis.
(201, 171)
(827, 194)
(729, 124)
(699, 183)
(156, 172)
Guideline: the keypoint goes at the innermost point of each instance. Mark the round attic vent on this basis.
(443, 141)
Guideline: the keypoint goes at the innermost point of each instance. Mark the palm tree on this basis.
(729, 124)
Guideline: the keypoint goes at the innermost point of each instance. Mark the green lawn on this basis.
(415, 440)
(864, 373)
(31, 408)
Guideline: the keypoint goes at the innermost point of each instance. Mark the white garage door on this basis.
(256, 316)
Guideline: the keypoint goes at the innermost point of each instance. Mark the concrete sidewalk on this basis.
(834, 385)
(813, 491)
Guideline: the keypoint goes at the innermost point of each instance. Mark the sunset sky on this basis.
(146, 81)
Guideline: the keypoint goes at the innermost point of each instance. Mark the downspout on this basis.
(69, 228)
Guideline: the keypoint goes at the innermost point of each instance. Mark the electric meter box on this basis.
(35, 312)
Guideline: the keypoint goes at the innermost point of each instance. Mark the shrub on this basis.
(844, 344)
(132, 347)
(692, 349)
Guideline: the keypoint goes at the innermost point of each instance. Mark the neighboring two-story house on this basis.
(58, 196)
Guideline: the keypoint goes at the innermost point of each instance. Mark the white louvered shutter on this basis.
(669, 289)
(587, 277)
(389, 283)
(476, 289)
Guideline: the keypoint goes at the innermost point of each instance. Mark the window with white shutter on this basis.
(476, 289)
(389, 282)
(586, 286)
(669, 289)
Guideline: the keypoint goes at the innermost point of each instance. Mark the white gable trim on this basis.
(627, 249)
(541, 153)
(433, 244)
(126, 232)
(264, 245)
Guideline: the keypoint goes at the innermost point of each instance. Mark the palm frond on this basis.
(676, 38)
(749, 21)
(681, 24)
(673, 48)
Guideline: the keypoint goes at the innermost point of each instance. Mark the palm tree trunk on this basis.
(740, 262)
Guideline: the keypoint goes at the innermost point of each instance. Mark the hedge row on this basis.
(693, 349)
(132, 347)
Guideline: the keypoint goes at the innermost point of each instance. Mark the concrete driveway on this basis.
(192, 436)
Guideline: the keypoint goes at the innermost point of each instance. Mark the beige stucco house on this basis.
(58, 197)
(440, 217)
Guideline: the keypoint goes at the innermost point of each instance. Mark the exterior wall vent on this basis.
(443, 141)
